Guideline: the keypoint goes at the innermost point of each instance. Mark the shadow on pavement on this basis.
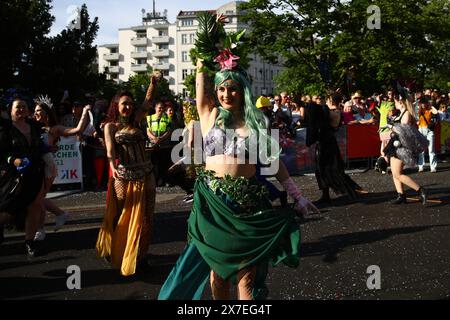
(331, 246)
(435, 194)
(170, 227)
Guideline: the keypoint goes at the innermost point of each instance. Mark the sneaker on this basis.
(61, 220)
(31, 248)
(433, 170)
(40, 235)
(189, 198)
(420, 169)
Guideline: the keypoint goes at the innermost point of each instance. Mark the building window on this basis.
(185, 93)
(184, 39)
(114, 50)
(184, 56)
(187, 22)
(192, 38)
(184, 74)
(163, 33)
(141, 34)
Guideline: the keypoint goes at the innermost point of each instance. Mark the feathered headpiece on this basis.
(402, 92)
(217, 49)
(45, 100)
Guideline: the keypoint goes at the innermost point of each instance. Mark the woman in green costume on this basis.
(233, 231)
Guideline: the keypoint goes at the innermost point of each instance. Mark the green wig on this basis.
(253, 117)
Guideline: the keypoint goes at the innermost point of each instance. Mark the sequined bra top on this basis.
(133, 161)
(219, 141)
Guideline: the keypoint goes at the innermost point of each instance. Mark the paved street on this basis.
(409, 243)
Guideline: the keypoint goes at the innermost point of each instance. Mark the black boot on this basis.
(325, 198)
(142, 266)
(423, 195)
(283, 199)
(2, 233)
(401, 198)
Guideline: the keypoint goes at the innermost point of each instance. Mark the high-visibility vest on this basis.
(158, 126)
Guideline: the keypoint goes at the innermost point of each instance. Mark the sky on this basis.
(116, 14)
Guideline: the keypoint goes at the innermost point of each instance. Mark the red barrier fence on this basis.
(363, 141)
(355, 142)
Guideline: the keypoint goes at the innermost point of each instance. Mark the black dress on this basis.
(13, 144)
(330, 168)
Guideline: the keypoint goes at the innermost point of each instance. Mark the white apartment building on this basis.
(165, 46)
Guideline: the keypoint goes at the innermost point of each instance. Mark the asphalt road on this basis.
(410, 245)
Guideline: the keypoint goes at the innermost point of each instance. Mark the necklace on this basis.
(124, 121)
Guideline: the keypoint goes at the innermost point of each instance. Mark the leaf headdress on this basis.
(217, 49)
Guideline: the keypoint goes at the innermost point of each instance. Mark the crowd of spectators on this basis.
(285, 112)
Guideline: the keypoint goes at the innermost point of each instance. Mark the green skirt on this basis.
(228, 238)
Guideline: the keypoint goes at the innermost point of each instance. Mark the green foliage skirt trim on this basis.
(230, 242)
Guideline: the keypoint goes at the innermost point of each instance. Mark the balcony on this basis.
(114, 69)
(111, 56)
(139, 42)
(139, 55)
(161, 40)
(161, 53)
(161, 66)
(139, 67)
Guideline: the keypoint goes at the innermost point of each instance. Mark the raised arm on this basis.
(149, 96)
(434, 110)
(61, 131)
(204, 96)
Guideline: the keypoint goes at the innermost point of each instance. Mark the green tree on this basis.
(138, 84)
(66, 61)
(23, 25)
(327, 43)
(189, 83)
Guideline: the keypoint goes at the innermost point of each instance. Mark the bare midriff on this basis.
(223, 165)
